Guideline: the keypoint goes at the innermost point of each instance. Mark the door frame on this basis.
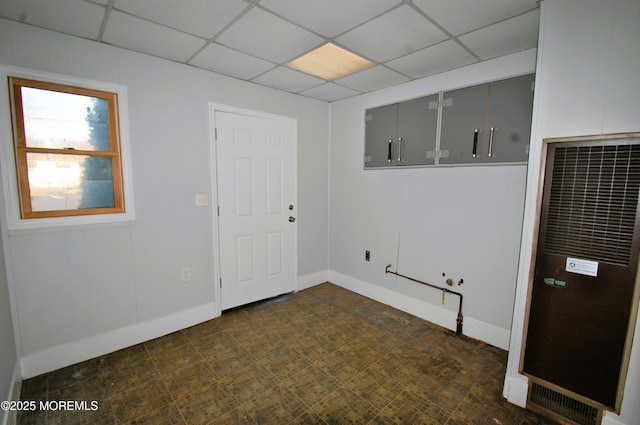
(635, 307)
(213, 167)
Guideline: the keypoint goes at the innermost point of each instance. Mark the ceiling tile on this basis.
(329, 92)
(512, 35)
(433, 60)
(226, 61)
(142, 36)
(287, 79)
(392, 35)
(371, 79)
(332, 17)
(75, 17)
(267, 36)
(477, 13)
(204, 18)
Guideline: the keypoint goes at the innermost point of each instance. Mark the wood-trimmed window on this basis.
(67, 149)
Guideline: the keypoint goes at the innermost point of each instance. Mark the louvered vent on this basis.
(566, 407)
(593, 201)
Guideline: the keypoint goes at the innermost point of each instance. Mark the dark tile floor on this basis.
(320, 356)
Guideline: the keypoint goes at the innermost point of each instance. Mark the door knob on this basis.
(291, 219)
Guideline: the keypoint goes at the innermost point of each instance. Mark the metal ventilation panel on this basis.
(562, 406)
(591, 214)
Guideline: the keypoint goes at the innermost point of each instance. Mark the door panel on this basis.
(255, 159)
(380, 134)
(466, 112)
(583, 287)
(510, 110)
(417, 126)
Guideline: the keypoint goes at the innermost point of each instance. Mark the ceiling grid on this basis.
(253, 40)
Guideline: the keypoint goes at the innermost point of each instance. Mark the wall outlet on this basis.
(186, 274)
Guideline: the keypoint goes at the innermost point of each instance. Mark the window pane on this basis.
(70, 182)
(63, 120)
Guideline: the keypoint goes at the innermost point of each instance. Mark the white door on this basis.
(255, 159)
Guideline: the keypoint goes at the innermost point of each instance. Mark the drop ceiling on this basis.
(254, 40)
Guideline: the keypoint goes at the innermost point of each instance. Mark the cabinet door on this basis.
(463, 112)
(416, 138)
(380, 128)
(510, 110)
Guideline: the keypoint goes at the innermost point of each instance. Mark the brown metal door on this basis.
(585, 271)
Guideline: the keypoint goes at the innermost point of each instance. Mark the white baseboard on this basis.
(312, 279)
(516, 389)
(78, 351)
(607, 419)
(9, 417)
(490, 334)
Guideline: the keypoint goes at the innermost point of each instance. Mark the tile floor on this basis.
(321, 356)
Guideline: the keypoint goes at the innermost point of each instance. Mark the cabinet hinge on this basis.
(367, 158)
(443, 153)
(435, 104)
(431, 155)
(368, 117)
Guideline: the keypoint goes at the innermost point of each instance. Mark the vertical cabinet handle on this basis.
(475, 143)
(389, 152)
(399, 149)
(491, 131)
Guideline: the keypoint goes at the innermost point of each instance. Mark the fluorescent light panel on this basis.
(330, 62)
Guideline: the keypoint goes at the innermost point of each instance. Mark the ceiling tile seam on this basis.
(275, 64)
(498, 22)
(213, 39)
(334, 38)
(156, 23)
(290, 69)
(105, 19)
(277, 15)
(330, 39)
(443, 29)
(324, 38)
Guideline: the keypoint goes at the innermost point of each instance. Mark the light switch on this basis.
(202, 199)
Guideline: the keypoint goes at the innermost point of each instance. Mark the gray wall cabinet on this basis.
(402, 133)
(489, 123)
(482, 124)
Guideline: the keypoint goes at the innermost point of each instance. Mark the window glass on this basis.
(69, 182)
(61, 120)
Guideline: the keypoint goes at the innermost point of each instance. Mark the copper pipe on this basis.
(459, 319)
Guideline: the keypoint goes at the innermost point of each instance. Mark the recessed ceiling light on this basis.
(330, 62)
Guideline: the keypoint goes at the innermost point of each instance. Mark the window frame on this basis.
(15, 173)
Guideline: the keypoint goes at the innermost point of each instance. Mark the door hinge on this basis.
(218, 208)
(220, 283)
(215, 131)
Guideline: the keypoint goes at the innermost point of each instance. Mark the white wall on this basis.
(463, 221)
(9, 368)
(588, 81)
(83, 291)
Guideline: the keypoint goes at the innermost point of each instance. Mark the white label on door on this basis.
(586, 267)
